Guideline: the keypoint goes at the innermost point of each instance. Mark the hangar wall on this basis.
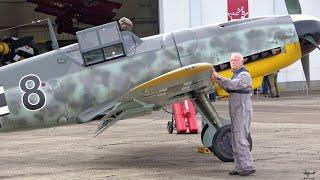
(143, 13)
(179, 14)
(18, 12)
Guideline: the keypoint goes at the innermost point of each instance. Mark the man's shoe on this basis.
(234, 173)
(247, 172)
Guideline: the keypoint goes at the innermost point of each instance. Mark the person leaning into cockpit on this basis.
(125, 24)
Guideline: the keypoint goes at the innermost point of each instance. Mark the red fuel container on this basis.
(190, 114)
(185, 116)
(178, 113)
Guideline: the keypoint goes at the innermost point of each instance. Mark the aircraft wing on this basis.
(173, 86)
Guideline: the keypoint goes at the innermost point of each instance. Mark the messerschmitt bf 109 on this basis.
(114, 75)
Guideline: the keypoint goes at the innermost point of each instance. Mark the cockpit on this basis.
(105, 43)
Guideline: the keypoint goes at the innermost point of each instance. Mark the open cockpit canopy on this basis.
(104, 43)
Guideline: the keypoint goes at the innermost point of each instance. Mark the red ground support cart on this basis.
(183, 118)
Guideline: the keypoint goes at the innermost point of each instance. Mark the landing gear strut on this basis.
(216, 135)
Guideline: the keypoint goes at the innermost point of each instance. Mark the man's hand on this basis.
(214, 76)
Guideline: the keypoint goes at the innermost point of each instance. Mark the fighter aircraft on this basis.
(114, 75)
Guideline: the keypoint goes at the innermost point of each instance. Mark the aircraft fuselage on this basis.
(52, 89)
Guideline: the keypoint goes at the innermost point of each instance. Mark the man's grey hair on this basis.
(237, 55)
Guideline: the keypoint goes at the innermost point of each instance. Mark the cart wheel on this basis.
(170, 127)
(222, 144)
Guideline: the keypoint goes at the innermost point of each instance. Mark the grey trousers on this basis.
(241, 115)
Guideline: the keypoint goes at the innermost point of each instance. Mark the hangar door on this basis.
(143, 13)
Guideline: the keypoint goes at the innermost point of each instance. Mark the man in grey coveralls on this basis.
(239, 88)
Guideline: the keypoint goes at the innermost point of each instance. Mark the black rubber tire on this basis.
(170, 127)
(222, 146)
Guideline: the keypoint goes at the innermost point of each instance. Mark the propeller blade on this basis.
(310, 39)
(24, 54)
(305, 61)
(22, 42)
(306, 70)
(293, 6)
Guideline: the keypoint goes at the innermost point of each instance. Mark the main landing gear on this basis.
(216, 134)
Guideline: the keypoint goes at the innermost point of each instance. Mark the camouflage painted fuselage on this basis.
(71, 88)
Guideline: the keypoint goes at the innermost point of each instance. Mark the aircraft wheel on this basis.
(222, 144)
(208, 131)
(170, 127)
